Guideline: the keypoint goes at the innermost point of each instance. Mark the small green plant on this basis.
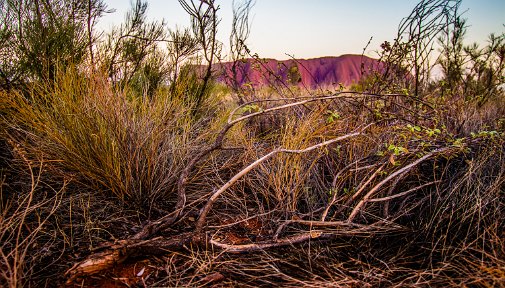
(397, 150)
(432, 132)
(348, 191)
(332, 191)
(382, 173)
(332, 116)
(413, 129)
(459, 142)
(485, 134)
(501, 123)
(252, 108)
(338, 150)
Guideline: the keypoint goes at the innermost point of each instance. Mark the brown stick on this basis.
(311, 224)
(299, 238)
(119, 252)
(402, 193)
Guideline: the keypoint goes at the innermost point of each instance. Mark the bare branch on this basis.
(403, 193)
(213, 198)
(299, 238)
(407, 168)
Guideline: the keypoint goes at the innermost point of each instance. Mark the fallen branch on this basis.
(213, 198)
(403, 171)
(403, 193)
(120, 251)
(299, 238)
(342, 227)
(310, 223)
(117, 252)
(167, 220)
(352, 229)
(361, 189)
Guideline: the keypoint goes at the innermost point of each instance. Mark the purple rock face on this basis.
(310, 73)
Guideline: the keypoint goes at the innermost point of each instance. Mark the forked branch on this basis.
(402, 171)
(213, 198)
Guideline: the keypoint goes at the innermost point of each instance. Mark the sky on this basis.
(306, 29)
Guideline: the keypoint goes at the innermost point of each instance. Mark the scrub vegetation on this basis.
(125, 163)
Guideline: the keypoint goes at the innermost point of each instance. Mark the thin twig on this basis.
(403, 193)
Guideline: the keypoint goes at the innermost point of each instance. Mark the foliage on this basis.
(130, 55)
(40, 37)
(405, 63)
(474, 73)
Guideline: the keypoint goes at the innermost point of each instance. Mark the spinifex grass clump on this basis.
(132, 147)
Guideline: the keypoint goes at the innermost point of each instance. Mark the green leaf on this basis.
(332, 116)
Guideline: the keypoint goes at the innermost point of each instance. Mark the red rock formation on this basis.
(310, 73)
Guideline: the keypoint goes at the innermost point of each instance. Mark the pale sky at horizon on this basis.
(315, 28)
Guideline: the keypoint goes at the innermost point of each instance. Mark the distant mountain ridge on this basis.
(310, 73)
